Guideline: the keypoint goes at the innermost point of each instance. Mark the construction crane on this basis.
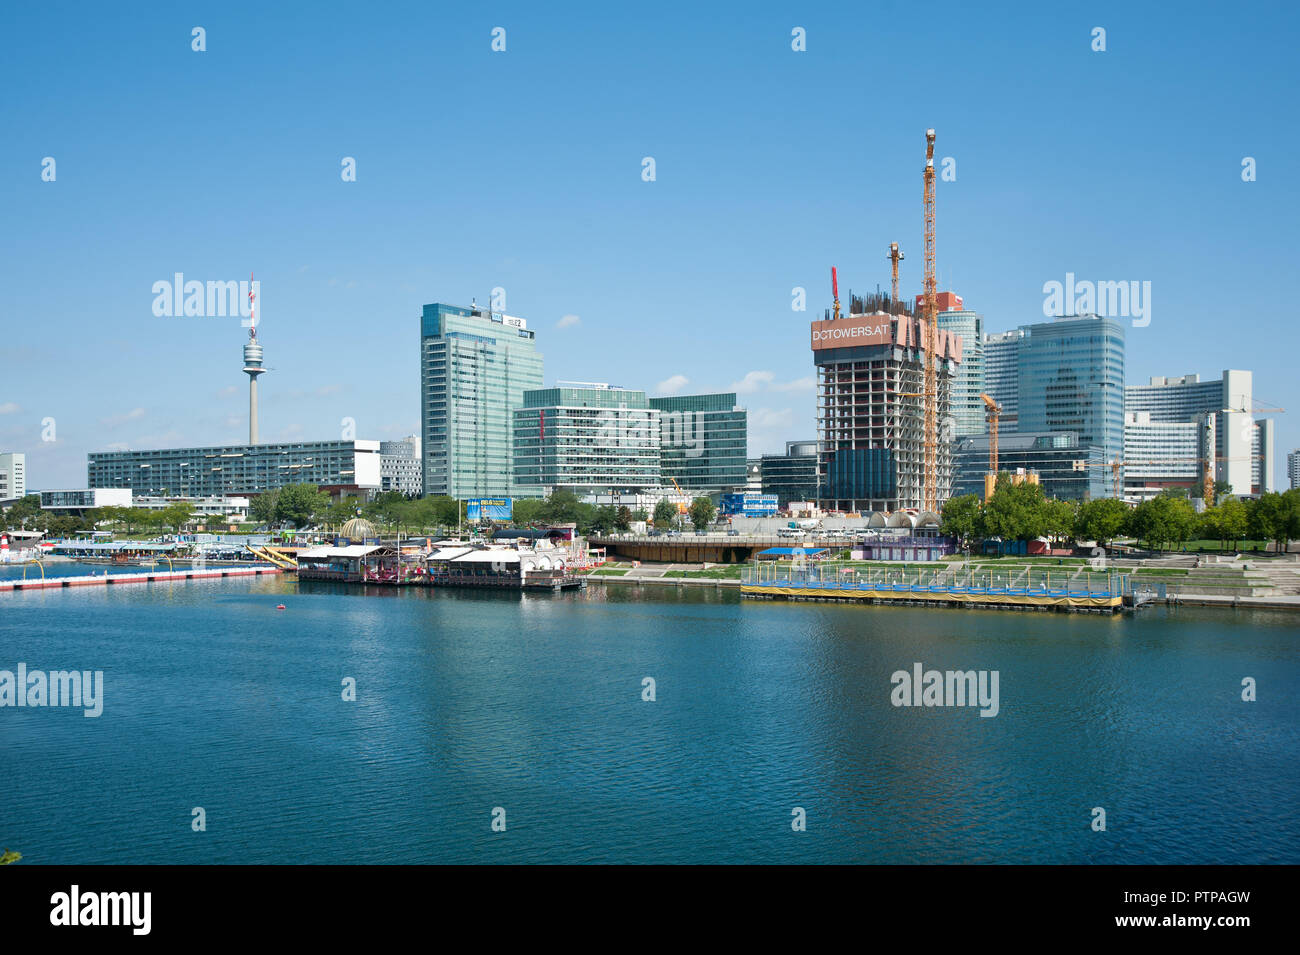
(994, 410)
(895, 257)
(931, 484)
(681, 508)
(835, 291)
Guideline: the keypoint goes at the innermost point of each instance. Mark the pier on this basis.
(103, 580)
(1080, 591)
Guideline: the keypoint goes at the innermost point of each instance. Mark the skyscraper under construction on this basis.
(871, 406)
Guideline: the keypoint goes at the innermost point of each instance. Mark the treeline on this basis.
(27, 514)
(1022, 512)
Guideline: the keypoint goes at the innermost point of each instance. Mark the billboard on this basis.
(489, 509)
(856, 330)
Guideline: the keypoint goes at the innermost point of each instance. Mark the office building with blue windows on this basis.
(475, 365)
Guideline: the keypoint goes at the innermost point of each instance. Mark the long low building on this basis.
(340, 467)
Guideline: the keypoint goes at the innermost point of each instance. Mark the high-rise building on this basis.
(1293, 468)
(401, 467)
(343, 468)
(588, 438)
(1262, 457)
(1001, 361)
(13, 476)
(791, 476)
(703, 441)
(1242, 460)
(475, 365)
(1072, 379)
(1159, 455)
(871, 409)
(967, 406)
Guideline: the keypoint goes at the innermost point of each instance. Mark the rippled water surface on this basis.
(467, 701)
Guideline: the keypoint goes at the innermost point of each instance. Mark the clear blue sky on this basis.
(522, 170)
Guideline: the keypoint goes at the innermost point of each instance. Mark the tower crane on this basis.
(993, 410)
(931, 483)
(895, 256)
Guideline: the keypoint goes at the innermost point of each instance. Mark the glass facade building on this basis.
(1001, 361)
(350, 467)
(1054, 456)
(589, 439)
(1072, 379)
(791, 476)
(475, 365)
(703, 440)
(967, 410)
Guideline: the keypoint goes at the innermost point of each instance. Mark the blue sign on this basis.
(490, 509)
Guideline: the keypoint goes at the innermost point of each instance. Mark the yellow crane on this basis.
(931, 483)
(994, 410)
(681, 507)
(895, 256)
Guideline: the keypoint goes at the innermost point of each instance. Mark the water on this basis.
(470, 701)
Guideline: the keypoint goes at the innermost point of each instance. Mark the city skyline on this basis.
(683, 282)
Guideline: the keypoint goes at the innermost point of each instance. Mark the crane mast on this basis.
(895, 257)
(931, 491)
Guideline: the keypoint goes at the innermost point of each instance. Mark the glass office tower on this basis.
(703, 441)
(1072, 379)
(475, 366)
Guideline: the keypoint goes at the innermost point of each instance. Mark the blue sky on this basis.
(522, 170)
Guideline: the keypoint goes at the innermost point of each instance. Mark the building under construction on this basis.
(871, 414)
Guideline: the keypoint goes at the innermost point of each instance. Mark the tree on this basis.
(299, 504)
(1016, 511)
(1234, 520)
(1101, 520)
(604, 517)
(623, 518)
(1060, 517)
(262, 507)
(665, 513)
(1276, 517)
(702, 512)
(961, 518)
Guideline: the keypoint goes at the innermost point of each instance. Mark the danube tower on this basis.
(252, 361)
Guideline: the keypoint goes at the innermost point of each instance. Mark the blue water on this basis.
(532, 703)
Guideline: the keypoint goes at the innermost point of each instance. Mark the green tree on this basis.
(1101, 520)
(528, 511)
(665, 513)
(961, 518)
(623, 518)
(300, 504)
(262, 507)
(702, 512)
(1060, 517)
(1016, 511)
(1234, 520)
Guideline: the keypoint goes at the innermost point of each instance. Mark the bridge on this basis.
(711, 548)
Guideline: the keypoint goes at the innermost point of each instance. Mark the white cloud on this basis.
(752, 382)
(799, 384)
(9, 408)
(227, 391)
(112, 421)
(756, 381)
(770, 428)
(568, 321)
(672, 385)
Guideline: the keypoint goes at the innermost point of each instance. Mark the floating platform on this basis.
(1079, 590)
(51, 583)
(968, 597)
